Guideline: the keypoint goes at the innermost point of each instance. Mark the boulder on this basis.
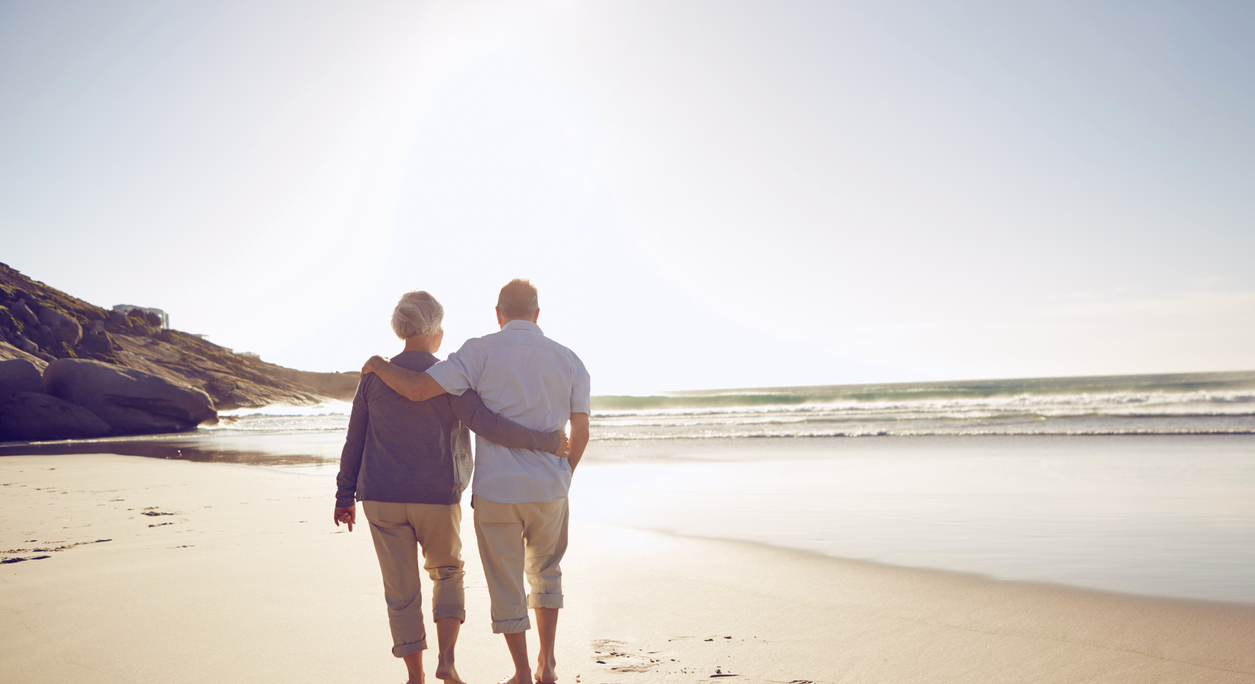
(132, 402)
(117, 323)
(24, 314)
(7, 320)
(32, 416)
(24, 344)
(96, 344)
(63, 327)
(19, 375)
(9, 351)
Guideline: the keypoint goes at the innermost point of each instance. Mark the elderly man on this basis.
(519, 495)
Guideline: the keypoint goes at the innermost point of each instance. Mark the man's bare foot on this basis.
(446, 672)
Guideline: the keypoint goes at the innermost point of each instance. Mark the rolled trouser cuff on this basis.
(452, 610)
(511, 626)
(409, 649)
(544, 600)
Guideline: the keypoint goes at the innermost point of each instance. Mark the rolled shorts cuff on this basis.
(409, 649)
(452, 610)
(511, 626)
(544, 600)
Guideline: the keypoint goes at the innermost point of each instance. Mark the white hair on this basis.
(418, 313)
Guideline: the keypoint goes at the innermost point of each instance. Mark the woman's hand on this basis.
(564, 446)
(348, 516)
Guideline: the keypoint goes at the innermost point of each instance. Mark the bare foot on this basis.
(414, 664)
(545, 673)
(447, 673)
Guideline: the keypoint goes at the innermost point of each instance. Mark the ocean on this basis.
(1134, 484)
(1194, 403)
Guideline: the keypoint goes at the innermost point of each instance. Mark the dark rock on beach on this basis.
(36, 416)
(132, 402)
(19, 375)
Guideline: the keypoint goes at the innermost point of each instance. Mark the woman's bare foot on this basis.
(545, 670)
(446, 672)
(447, 629)
(414, 667)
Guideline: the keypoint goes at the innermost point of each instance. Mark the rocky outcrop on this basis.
(132, 402)
(38, 416)
(27, 413)
(41, 325)
(231, 381)
(80, 399)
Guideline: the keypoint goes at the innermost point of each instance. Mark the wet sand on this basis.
(147, 570)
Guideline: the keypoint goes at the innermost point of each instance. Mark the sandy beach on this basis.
(147, 570)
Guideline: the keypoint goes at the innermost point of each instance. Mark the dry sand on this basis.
(217, 573)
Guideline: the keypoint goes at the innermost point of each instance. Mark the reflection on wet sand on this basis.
(270, 449)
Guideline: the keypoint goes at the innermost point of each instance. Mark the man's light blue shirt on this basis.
(531, 380)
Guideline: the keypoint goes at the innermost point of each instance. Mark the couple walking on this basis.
(407, 459)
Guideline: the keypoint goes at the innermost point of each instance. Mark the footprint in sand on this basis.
(617, 657)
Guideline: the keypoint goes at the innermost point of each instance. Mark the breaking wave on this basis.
(1196, 403)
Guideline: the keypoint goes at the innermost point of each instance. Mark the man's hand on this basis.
(579, 439)
(348, 516)
(373, 364)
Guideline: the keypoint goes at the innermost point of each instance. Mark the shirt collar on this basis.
(517, 324)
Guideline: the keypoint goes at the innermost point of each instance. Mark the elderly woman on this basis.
(408, 462)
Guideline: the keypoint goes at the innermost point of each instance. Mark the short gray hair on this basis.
(518, 299)
(418, 313)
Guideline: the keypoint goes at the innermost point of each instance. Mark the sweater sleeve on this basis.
(494, 427)
(354, 445)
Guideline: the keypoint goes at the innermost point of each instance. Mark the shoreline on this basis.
(1141, 516)
(220, 572)
(164, 444)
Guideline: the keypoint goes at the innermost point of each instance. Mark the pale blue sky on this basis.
(709, 194)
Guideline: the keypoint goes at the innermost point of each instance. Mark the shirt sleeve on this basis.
(459, 372)
(581, 390)
(494, 427)
(354, 445)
